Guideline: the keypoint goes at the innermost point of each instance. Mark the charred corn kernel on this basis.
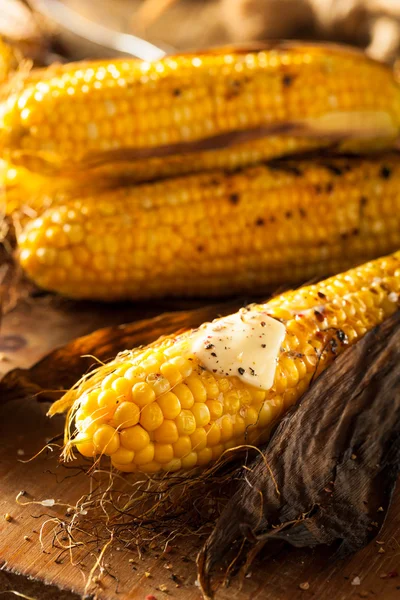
(167, 433)
(134, 438)
(106, 440)
(151, 417)
(142, 394)
(178, 108)
(145, 455)
(123, 388)
(186, 422)
(126, 415)
(215, 408)
(163, 453)
(201, 414)
(184, 395)
(170, 405)
(335, 213)
(183, 446)
(189, 461)
(172, 373)
(123, 456)
(318, 321)
(199, 439)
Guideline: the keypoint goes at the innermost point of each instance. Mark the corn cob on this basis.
(218, 233)
(157, 408)
(90, 114)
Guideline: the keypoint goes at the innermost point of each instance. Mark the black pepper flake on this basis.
(385, 172)
(209, 346)
(177, 92)
(341, 336)
(321, 295)
(234, 198)
(214, 370)
(355, 231)
(252, 371)
(259, 222)
(302, 212)
(200, 248)
(287, 80)
(263, 323)
(363, 201)
(329, 187)
(317, 188)
(263, 345)
(320, 317)
(241, 370)
(288, 214)
(213, 354)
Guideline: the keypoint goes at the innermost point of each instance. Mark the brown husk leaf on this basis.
(330, 467)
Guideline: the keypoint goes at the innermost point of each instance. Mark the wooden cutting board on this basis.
(33, 567)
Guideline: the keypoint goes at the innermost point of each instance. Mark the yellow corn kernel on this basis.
(184, 395)
(171, 372)
(199, 439)
(197, 387)
(142, 394)
(126, 415)
(167, 433)
(160, 385)
(123, 388)
(151, 467)
(151, 417)
(108, 399)
(185, 366)
(204, 456)
(226, 428)
(215, 408)
(134, 438)
(170, 405)
(213, 434)
(123, 456)
(174, 465)
(163, 453)
(186, 422)
(201, 414)
(145, 455)
(183, 446)
(86, 448)
(135, 374)
(106, 440)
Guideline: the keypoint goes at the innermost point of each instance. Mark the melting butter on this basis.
(245, 344)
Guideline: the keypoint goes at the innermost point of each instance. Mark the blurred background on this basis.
(75, 29)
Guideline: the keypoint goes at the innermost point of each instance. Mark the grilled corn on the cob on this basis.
(101, 112)
(218, 233)
(159, 408)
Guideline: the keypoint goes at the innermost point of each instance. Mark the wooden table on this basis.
(34, 328)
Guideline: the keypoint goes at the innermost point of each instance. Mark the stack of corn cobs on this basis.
(207, 174)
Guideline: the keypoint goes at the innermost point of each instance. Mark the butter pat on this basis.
(245, 344)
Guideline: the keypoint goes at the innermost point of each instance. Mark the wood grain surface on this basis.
(30, 331)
